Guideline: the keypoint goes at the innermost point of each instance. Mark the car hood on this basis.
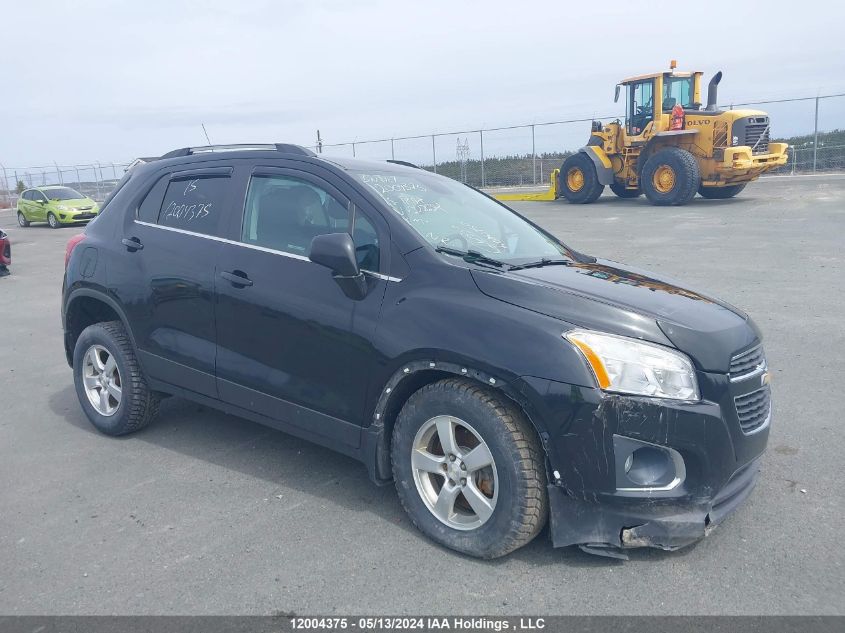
(606, 296)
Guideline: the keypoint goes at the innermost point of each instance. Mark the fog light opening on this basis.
(648, 466)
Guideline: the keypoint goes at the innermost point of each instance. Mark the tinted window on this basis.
(195, 204)
(285, 214)
(27, 195)
(38, 196)
(63, 193)
(151, 205)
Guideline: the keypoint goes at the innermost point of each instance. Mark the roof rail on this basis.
(404, 163)
(285, 148)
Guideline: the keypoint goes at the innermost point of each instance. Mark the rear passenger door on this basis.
(166, 280)
(291, 345)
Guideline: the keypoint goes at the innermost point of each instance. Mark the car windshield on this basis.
(62, 193)
(449, 214)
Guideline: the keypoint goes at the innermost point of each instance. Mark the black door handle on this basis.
(132, 244)
(237, 278)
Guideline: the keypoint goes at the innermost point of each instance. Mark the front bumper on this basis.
(739, 164)
(701, 462)
(667, 525)
(66, 217)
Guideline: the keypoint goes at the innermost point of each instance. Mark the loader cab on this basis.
(650, 98)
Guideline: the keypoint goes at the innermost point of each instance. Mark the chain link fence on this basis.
(509, 156)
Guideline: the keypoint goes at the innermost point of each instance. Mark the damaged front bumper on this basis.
(604, 527)
(630, 471)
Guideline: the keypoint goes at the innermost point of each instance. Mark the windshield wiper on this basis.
(473, 257)
(543, 262)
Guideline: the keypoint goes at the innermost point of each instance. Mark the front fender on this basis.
(604, 168)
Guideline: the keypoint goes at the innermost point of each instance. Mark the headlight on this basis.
(626, 365)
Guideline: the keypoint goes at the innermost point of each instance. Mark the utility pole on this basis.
(319, 143)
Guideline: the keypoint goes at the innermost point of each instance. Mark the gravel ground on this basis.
(205, 513)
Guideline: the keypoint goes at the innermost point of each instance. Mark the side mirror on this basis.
(336, 251)
(616, 94)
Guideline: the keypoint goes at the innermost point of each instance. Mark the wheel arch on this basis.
(604, 168)
(413, 376)
(84, 307)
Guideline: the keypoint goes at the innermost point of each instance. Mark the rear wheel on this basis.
(720, 193)
(53, 221)
(22, 220)
(108, 379)
(619, 189)
(469, 469)
(670, 177)
(579, 182)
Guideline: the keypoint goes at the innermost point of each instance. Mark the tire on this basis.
(53, 221)
(620, 190)
(579, 182)
(670, 177)
(721, 193)
(137, 405)
(515, 485)
(22, 220)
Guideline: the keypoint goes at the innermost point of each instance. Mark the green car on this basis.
(55, 205)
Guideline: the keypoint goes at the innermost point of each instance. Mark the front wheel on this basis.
(53, 221)
(469, 469)
(579, 182)
(670, 177)
(22, 220)
(720, 193)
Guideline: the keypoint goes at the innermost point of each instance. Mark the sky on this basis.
(107, 81)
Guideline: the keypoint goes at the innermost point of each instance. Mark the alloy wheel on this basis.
(454, 472)
(102, 381)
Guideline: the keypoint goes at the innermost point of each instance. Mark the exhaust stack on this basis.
(712, 91)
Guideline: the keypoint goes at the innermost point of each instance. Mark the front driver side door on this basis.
(290, 344)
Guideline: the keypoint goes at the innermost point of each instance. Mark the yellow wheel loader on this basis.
(671, 152)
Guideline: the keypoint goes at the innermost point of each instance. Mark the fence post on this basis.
(78, 179)
(433, 154)
(816, 135)
(353, 150)
(392, 153)
(481, 137)
(96, 181)
(533, 156)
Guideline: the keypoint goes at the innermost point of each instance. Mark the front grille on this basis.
(83, 216)
(753, 409)
(747, 362)
(757, 136)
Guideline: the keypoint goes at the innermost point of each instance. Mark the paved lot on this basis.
(207, 513)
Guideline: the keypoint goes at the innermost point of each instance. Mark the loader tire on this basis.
(670, 177)
(721, 193)
(579, 182)
(619, 189)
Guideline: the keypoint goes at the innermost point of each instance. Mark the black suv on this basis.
(495, 375)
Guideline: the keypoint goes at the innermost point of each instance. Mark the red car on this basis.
(5, 254)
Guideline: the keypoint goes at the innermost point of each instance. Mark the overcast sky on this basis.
(109, 81)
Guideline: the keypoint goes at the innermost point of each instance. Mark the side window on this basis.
(39, 197)
(365, 237)
(195, 204)
(286, 213)
(27, 195)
